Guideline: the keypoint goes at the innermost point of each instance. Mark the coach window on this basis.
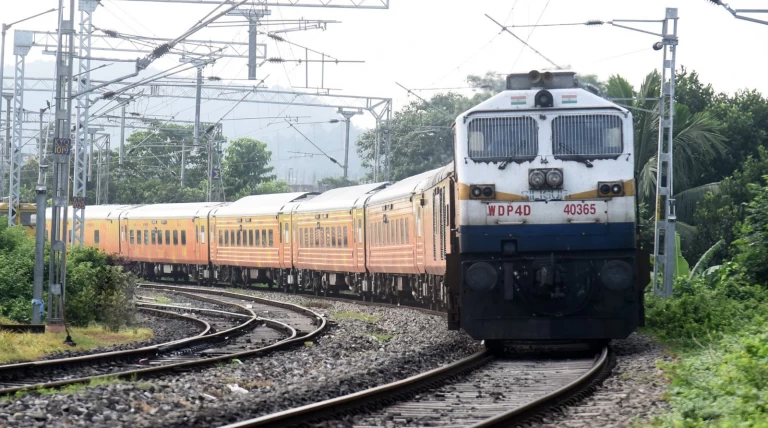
(327, 237)
(407, 234)
(418, 222)
(359, 230)
(183, 237)
(226, 238)
(221, 239)
(175, 237)
(167, 237)
(95, 236)
(306, 237)
(130, 234)
(146, 237)
(154, 237)
(287, 234)
(263, 238)
(250, 238)
(232, 237)
(271, 238)
(202, 234)
(346, 239)
(333, 237)
(239, 238)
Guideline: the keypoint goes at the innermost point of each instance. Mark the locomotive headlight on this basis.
(605, 189)
(616, 275)
(477, 192)
(488, 191)
(536, 179)
(481, 277)
(616, 189)
(555, 178)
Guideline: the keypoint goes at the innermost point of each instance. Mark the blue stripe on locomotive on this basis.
(548, 237)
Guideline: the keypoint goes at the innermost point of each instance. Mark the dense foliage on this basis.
(717, 318)
(98, 290)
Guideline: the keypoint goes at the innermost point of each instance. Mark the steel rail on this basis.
(292, 339)
(385, 393)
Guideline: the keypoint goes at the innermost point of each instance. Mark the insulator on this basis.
(595, 22)
(276, 37)
(275, 59)
(107, 95)
(161, 50)
(111, 33)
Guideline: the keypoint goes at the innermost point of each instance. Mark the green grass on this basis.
(16, 347)
(381, 337)
(163, 300)
(69, 389)
(351, 315)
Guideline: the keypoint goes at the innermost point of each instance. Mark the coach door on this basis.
(285, 253)
(358, 239)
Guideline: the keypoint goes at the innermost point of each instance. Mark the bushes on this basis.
(98, 290)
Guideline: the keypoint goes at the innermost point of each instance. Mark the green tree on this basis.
(421, 135)
(329, 183)
(697, 142)
(246, 166)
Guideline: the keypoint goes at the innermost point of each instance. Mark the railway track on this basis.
(482, 390)
(341, 297)
(252, 334)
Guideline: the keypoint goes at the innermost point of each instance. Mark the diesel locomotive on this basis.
(528, 235)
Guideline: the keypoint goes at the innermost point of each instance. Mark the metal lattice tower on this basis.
(22, 43)
(57, 277)
(665, 239)
(86, 8)
(102, 171)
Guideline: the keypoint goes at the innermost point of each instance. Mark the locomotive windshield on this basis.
(591, 136)
(503, 138)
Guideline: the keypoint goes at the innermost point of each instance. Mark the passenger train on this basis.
(528, 235)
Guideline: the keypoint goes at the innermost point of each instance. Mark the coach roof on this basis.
(96, 212)
(342, 198)
(402, 189)
(169, 211)
(260, 204)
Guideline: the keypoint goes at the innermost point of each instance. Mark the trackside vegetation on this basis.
(98, 289)
(717, 323)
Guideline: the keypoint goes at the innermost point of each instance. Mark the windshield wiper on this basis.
(579, 158)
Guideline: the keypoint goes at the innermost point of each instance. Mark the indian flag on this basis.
(517, 100)
(569, 98)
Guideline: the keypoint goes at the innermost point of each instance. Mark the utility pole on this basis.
(347, 114)
(122, 136)
(41, 196)
(57, 278)
(666, 217)
(253, 16)
(198, 98)
(22, 43)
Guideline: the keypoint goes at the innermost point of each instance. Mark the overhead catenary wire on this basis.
(506, 29)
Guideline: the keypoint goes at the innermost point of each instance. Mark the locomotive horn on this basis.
(547, 77)
(534, 76)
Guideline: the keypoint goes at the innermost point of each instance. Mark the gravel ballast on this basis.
(633, 392)
(363, 347)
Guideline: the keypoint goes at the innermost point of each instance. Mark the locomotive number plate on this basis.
(552, 212)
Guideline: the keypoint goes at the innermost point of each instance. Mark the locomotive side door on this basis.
(358, 239)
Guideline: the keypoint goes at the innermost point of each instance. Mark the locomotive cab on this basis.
(546, 215)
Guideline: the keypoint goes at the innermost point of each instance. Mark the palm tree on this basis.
(697, 142)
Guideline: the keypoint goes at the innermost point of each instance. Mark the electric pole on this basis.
(62, 147)
(347, 114)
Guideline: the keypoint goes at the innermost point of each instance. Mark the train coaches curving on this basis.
(102, 226)
(546, 213)
(166, 240)
(251, 238)
(329, 249)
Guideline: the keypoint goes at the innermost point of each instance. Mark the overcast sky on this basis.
(437, 43)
